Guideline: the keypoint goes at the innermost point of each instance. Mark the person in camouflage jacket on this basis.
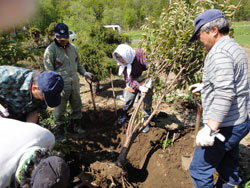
(25, 92)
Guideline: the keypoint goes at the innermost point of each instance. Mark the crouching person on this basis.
(132, 63)
(27, 159)
(24, 93)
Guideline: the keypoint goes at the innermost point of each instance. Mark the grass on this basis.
(241, 33)
(135, 34)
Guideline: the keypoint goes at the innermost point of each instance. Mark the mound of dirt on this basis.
(151, 163)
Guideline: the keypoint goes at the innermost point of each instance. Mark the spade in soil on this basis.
(95, 116)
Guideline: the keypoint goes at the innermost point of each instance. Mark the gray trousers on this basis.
(129, 99)
(73, 96)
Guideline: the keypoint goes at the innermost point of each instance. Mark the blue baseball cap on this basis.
(61, 31)
(51, 84)
(202, 19)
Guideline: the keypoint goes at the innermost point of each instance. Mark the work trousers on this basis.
(73, 96)
(129, 99)
(222, 156)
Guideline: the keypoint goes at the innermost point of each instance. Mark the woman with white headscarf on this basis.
(131, 64)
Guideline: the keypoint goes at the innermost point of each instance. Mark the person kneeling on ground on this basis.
(27, 159)
(132, 63)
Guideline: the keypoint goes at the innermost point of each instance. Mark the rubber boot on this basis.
(76, 124)
(59, 132)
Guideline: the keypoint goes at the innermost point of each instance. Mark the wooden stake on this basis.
(111, 77)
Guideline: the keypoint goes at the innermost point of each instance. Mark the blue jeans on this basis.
(129, 99)
(222, 156)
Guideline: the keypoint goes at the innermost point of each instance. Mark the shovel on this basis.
(198, 115)
(96, 115)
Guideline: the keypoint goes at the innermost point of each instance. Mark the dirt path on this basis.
(149, 165)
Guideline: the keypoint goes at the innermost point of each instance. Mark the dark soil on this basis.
(149, 164)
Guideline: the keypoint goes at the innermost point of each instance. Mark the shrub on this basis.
(96, 49)
(12, 49)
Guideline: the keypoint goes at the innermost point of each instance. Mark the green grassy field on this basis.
(134, 35)
(241, 33)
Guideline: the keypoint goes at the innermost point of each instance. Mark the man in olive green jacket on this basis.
(62, 57)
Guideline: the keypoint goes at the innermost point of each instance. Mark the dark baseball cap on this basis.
(61, 31)
(51, 172)
(202, 19)
(51, 84)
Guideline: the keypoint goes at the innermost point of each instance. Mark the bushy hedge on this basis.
(13, 50)
(96, 49)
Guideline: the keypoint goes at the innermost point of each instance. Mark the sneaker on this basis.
(123, 119)
(146, 129)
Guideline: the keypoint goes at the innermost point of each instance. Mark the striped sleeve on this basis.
(221, 73)
(225, 95)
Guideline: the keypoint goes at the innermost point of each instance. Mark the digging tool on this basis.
(114, 97)
(198, 115)
(96, 114)
(198, 119)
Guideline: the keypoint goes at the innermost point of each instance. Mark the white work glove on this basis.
(149, 83)
(3, 112)
(205, 137)
(143, 89)
(195, 88)
(88, 75)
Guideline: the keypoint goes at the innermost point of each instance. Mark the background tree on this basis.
(174, 60)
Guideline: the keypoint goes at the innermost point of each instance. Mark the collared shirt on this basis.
(225, 95)
(66, 62)
(138, 66)
(15, 92)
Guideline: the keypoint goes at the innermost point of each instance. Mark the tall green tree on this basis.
(130, 18)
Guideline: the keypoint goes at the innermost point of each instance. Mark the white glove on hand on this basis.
(149, 83)
(205, 137)
(143, 89)
(195, 88)
(3, 111)
(88, 75)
